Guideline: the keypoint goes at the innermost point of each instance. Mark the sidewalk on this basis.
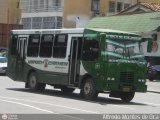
(153, 86)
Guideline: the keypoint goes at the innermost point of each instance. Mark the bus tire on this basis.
(127, 96)
(65, 89)
(33, 83)
(88, 90)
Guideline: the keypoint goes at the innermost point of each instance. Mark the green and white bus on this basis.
(92, 60)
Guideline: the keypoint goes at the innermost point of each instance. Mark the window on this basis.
(60, 46)
(59, 22)
(26, 22)
(14, 45)
(17, 4)
(33, 45)
(119, 6)
(36, 22)
(48, 22)
(90, 50)
(112, 6)
(95, 5)
(46, 46)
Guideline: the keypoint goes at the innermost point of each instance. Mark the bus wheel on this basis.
(127, 96)
(33, 84)
(88, 89)
(65, 89)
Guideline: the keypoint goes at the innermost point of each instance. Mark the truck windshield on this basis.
(123, 50)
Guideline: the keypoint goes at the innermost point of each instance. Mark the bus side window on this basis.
(60, 46)
(14, 44)
(33, 45)
(90, 50)
(46, 46)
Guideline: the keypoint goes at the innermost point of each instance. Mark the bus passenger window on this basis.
(90, 50)
(46, 46)
(33, 46)
(60, 46)
(14, 45)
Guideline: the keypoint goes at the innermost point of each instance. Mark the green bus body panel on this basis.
(100, 69)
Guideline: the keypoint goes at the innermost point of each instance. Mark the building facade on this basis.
(10, 15)
(42, 14)
(79, 12)
(10, 12)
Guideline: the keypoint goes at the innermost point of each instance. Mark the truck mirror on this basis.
(149, 45)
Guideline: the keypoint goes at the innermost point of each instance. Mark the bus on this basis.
(92, 60)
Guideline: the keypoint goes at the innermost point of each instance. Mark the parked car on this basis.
(3, 49)
(154, 72)
(3, 65)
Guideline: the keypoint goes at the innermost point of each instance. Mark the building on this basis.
(37, 14)
(10, 15)
(79, 12)
(9, 11)
(41, 14)
(140, 8)
(149, 1)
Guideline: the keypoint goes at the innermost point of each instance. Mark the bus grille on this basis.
(127, 77)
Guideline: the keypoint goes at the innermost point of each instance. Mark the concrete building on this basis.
(41, 14)
(79, 12)
(37, 14)
(9, 12)
(10, 15)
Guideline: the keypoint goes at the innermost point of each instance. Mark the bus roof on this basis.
(48, 31)
(71, 30)
(111, 31)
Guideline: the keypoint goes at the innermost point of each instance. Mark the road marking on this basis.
(39, 109)
(51, 104)
(27, 106)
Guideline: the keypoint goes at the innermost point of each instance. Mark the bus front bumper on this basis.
(125, 87)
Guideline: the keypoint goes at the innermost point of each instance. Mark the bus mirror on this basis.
(149, 45)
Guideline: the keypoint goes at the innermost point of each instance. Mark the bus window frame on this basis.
(38, 46)
(53, 39)
(60, 46)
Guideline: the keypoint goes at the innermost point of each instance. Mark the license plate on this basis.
(126, 89)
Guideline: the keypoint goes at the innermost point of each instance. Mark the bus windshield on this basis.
(123, 50)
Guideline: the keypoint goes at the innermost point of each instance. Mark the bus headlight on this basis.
(141, 80)
(112, 78)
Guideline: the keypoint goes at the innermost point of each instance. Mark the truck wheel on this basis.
(33, 83)
(127, 96)
(65, 89)
(88, 89)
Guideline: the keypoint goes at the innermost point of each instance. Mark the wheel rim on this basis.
(87, 88)
(33, 81)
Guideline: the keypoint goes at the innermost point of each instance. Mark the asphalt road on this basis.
(15, 99)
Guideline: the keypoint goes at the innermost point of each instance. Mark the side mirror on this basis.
(149, 45)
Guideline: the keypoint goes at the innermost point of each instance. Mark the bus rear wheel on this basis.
(88, 90)
(127, 96)
(33, 83)
(65, 89)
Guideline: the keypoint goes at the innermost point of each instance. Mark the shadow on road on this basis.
(100, 100)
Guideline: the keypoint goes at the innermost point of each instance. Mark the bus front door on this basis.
(74, 60)
(21, 50)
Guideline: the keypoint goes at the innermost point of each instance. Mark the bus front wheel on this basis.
(127, 96)
(88, 90)
(33, 83)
